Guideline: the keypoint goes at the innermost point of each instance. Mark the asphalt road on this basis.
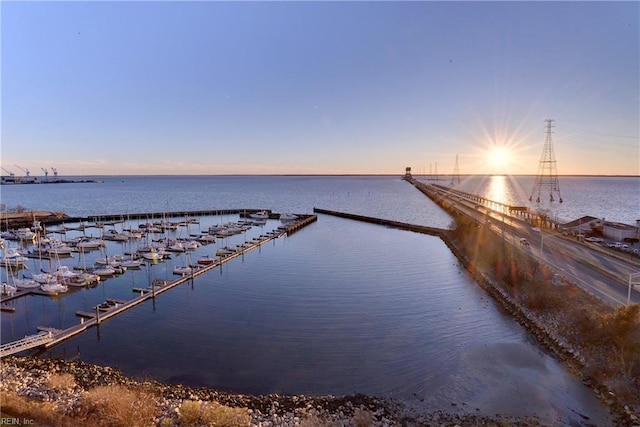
(598, 270)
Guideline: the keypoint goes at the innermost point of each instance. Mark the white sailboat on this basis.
(185, 269)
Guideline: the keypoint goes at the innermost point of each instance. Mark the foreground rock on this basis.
(30, 377)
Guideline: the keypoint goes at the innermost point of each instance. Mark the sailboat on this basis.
(12, 258)
(184, 269)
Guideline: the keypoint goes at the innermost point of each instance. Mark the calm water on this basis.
(612, 198)
(339, 307)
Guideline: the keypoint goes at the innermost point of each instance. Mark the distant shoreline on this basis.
(442, 176)
(38, 182)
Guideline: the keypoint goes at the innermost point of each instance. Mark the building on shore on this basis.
(588, 225)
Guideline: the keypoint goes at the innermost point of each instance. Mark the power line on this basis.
(547, 176)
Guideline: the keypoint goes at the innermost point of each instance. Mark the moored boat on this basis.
(89, 244)
(26, 284)
(104, 271)
(288, 217)
(44, 278)
(259, 215)
(63, 273)
(206, 238)
(224, 252)
(8, 289)
(182, 270)
(83, 279)
(131, 263)
(54, 288)
(206, 260)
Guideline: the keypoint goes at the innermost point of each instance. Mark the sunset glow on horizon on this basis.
(261, 88)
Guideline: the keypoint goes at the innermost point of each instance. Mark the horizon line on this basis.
(326, 174)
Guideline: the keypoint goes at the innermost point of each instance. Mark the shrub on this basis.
(42, 413)
(362, 418)
(198, 414)
(316, 421)
(622, 330)
(115, 406)
(61, 382)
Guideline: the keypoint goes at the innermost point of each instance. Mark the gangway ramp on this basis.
(26, 343)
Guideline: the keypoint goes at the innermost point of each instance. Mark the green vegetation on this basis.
(607, 341)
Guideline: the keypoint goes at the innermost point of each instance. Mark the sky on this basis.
(208, 87)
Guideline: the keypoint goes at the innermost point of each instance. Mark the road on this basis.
(598, 270)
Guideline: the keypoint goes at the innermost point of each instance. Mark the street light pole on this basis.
(632, 276)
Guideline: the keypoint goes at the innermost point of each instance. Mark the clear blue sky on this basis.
(318, 87)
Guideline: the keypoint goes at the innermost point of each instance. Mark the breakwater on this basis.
(433, 231)
(25, 219)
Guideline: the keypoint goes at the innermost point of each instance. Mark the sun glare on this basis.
(499, 158)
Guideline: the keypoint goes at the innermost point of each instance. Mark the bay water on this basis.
(339, 307)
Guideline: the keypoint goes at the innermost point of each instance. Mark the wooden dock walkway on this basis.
(26, 343)
(113, 307)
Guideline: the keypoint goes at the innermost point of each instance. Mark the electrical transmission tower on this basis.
(547, 177)
(456, 173)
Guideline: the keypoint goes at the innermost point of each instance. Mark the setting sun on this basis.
(499, 158)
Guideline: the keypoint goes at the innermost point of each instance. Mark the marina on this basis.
(112, 307)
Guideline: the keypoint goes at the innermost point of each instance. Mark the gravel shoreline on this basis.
(28, 377)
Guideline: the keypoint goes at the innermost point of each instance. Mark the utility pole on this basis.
(633, 281)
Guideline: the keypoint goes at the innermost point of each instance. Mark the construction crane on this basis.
(46, 173)
(26, 171)
(55, 171)
(8, 171)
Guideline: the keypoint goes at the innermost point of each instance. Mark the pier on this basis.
(49, 337)
(26, 343)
